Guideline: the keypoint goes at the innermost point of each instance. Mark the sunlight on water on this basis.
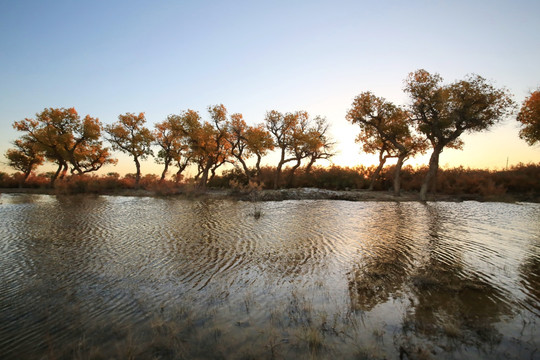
(103, 277)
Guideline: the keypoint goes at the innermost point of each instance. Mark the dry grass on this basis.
(519, 182)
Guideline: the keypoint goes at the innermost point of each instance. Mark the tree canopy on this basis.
(385, 128)
(297, 137)
(247, 141)
(529, 117)
(436, 116)
(25, 157)
(66, 139)
(443, 113)
(129, 135)
(169, 135)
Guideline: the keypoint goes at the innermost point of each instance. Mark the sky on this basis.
(106, 58)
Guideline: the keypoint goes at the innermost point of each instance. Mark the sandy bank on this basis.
(295, 194)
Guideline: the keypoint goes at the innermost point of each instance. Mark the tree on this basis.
(26, 156)
(372, 144)
(282, 128)
(309, 141)
(66, 139)
(170, 137)
(529, 117)
(298, 147)
(237, 130)
(443, 112)
(86, 153)
(186, 125)
(258, 142)
(384, 128)
(209, 147)
(297, 139)
(220, 147)
(129, 135)
(247, 141)
(319, 144)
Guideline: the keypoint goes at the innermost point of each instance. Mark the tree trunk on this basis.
(310, 164)
(138, 173)
(246, 169)
(76, 168)
(178, 176)
(204, 176)
(277, 175)
(258, 167)
(375, 175)
(199, 172)
(432, 172)
(55, 176)
(214, 168)
(181, 168)
(65, 169)
(165, 170)
(291, 174)
(397, 175)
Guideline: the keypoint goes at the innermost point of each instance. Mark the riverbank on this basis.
(291, 194)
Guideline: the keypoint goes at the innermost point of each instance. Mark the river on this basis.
(145, 277)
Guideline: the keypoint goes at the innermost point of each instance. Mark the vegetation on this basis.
(444, 112)
(129, 135)
(247, 141)
(516, 183)
(529, 117)
(26, 156)
(173, 146)
(385, 128)
(62, 137)
(436, 117)
(297, 138)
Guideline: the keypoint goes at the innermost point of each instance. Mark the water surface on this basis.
(120, 277)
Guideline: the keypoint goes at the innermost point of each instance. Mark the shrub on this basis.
(519, 179)
(8, 181)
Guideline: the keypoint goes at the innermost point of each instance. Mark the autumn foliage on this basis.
(529, 117)
(225, 149)
(62, 137)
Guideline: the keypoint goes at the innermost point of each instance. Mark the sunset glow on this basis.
(238, 179)
(107, 60)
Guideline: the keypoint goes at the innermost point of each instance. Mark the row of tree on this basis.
(61, 136)
(437, 115)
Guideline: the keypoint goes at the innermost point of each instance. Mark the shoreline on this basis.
(289, 194)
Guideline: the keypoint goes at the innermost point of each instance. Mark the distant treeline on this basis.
(436, 117)
(520, 180)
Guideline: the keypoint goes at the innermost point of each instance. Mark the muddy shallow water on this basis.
(121, 277)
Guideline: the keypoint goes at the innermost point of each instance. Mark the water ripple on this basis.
(71, 265)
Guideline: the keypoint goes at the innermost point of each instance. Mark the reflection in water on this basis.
(530, 279)
(451, 301)
(104, 277)
(388, 261)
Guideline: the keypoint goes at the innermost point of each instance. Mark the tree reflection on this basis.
(377, 277)
(450, 303)
(530, 279)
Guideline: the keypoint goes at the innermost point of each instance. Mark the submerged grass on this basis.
(296, 326)
(431, 311)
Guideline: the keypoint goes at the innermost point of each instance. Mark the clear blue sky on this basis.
(160, 57)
